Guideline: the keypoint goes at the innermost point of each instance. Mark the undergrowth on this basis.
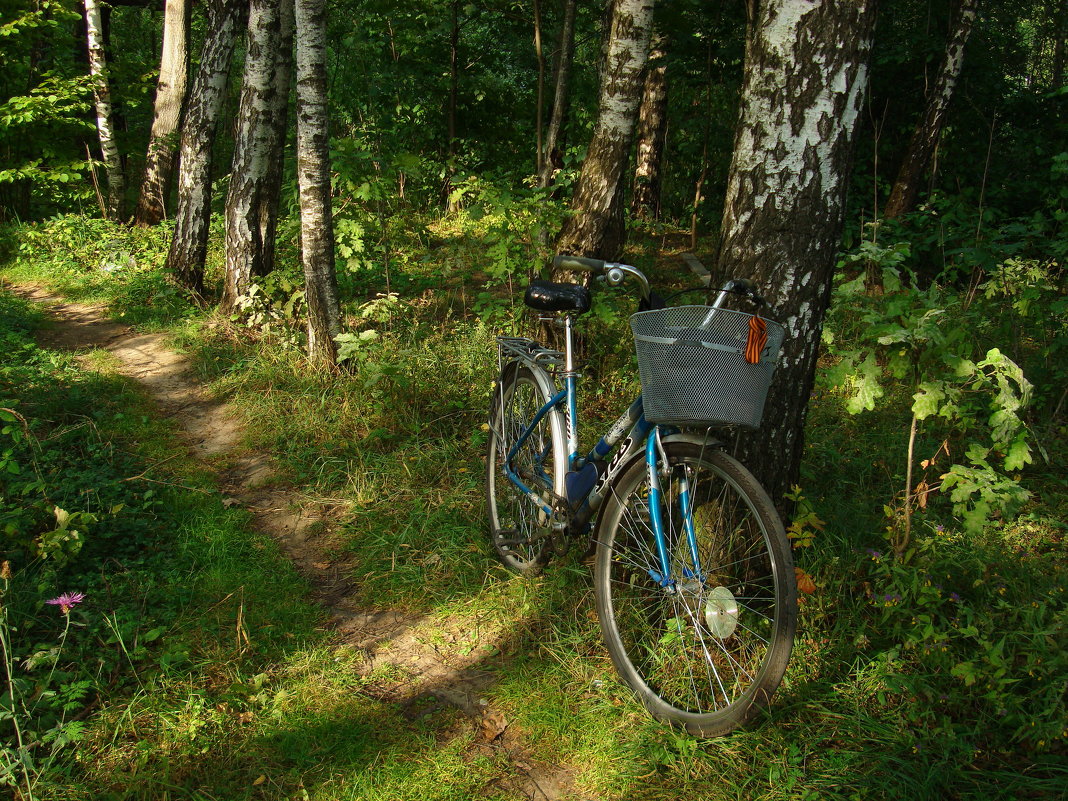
(929, 661)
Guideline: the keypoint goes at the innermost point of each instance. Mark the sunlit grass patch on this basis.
(86, 259)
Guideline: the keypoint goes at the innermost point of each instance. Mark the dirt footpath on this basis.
(214, 435)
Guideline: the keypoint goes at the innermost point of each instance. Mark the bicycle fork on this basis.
(655, 457)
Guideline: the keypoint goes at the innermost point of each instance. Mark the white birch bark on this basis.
(170, 95)
(102, 100)
(252, 153)
(270, 194)
(190, 242)
(596, 227)
(805, 76)
(928, 130)
(313, 172)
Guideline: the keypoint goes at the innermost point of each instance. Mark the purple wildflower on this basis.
(67, 601)
(954, 597)
(940, 527)
(874, 554)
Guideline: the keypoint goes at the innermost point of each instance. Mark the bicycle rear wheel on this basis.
(708, 650)
(519, 530)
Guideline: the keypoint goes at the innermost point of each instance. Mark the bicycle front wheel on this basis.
(706, 645)
(519, 527)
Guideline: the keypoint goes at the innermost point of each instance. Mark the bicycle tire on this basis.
(708, 653)
(519, 533)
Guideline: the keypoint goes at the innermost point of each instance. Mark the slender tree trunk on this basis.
(190, 242)
(699, 185)
(698, 195)
(929, 128)
(596, 226)
(805, 75)
(270, 197)
(454, 75)
(102, 99)
(450, 110)
(552, 159)
(170, 95)
(540, 115)
(652, 134)
(1059, 12)
(313, 168)
(253, 153)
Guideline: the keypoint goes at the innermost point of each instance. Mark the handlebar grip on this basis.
(581, 263)
(747, 286)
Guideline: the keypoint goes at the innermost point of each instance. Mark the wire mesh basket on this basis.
(693, 367)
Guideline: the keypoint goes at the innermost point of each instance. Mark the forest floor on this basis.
(314, 613)
(426, 675)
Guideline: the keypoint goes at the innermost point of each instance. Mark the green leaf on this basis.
(895, 335)
(866, 386)
(1019, 454)
(928, 399)
(840, 374)
(976, 454)
(962, 368)
(965, 671)
(975, 519)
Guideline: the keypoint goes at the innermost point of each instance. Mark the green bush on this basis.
(967, 638)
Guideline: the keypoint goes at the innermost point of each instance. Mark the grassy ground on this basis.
(941, 676)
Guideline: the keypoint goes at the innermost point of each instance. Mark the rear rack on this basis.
(527, 350)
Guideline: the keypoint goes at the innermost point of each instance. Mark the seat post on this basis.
(569, 364)
(572, 393)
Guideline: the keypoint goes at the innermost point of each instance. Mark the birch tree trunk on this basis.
(270, 197)
(189, 244)
(170, 95)
(596, 225)
(552, 160)
(253, 152)
(313, 170)
(652, 134)
(805, 74)
(102, 100)
(925, 137)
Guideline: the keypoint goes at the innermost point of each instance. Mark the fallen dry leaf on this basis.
(492, 725)
(804, 581)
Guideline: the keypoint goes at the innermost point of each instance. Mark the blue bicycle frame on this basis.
(585, 484)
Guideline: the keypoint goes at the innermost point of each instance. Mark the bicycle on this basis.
(693, 577)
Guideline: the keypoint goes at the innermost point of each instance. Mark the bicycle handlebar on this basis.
(744, 286)
(615, 273)
(579, 263)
